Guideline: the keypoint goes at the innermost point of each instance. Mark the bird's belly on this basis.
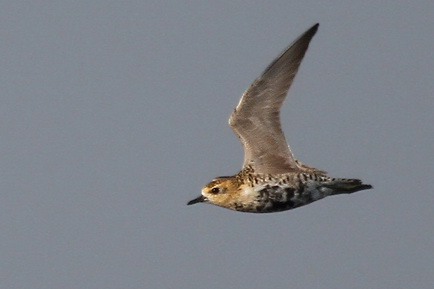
(274, 198)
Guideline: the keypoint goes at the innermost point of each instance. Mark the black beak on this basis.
(199, 199)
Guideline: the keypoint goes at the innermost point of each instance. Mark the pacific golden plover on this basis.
(271, 179)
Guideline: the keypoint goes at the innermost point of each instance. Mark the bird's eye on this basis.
(215, 190)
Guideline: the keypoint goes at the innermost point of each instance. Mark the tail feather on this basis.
(346, 186)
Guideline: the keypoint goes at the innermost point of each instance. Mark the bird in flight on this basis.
(271, 179)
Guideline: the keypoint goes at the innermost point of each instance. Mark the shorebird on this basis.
(271, 179)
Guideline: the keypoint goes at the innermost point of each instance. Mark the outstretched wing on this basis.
(256, 118)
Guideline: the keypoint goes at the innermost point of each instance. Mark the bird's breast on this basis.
(274, 197)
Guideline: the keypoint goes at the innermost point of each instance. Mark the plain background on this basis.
(113, 115)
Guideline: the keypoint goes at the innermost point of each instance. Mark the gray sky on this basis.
(114, 114)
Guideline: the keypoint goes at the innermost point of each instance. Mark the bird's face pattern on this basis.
(220, 191)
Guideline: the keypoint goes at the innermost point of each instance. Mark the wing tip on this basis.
(313, 29)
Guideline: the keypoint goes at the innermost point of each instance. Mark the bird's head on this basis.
(219, 192)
